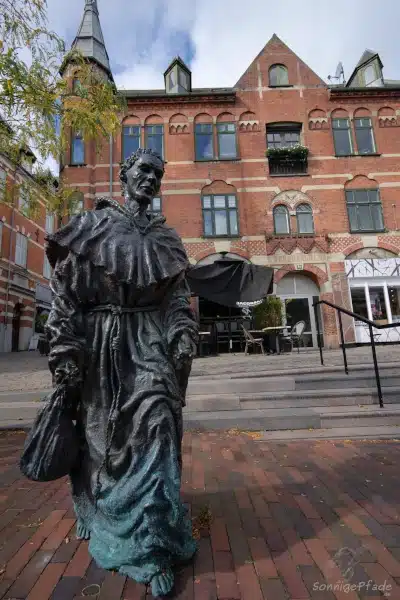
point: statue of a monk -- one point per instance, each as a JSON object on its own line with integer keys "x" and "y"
{"x": 122, "y": 337}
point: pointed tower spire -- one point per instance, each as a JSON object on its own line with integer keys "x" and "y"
{"x": 89, "y": 39}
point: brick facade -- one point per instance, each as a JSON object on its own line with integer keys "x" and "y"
{"x": 24, "y": 288}
{"x": 252, "y": 104}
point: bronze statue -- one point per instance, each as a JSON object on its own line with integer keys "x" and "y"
{"x": 122, "y": 338}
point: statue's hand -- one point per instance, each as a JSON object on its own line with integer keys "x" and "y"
{"x": 184, "y": 350}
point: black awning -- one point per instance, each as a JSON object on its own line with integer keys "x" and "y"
{"x": 228, "y": 281}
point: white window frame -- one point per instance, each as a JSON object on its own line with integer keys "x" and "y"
{"x": 23, "y": 201}
{"x": 21, "y": 250}
{"x": 49, "y": 219}
{"x": 47, "y": 270}
{"x": 3, "y": 182}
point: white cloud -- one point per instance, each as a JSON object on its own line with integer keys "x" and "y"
{"x": 228, "y": 34}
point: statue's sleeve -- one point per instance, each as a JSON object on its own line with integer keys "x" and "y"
{"x": 179, "y": 316}
{"x": 65, "y": 329}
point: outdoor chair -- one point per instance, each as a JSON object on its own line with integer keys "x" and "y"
{"x": 296, "y": 335}
{"x": 251, "y": 341}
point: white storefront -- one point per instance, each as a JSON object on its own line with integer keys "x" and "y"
{"x": 375, "y": 294}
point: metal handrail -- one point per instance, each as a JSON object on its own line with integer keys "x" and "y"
{"x": 370, "y": 324}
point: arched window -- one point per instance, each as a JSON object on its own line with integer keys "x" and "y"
{"x": 278, "y": 76}
{"x": 281, "y": 219}
{"x": 305, "y": 223}
{"x": 76, "y": 203}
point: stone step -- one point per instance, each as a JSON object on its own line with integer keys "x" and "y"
{"x": 381, "y": 432}
{"x": 287, "y": 399}
{"x": 352, "y": 380}
{"x": 293, "y": 419}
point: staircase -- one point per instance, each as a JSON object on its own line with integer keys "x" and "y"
{"x": 297, "y": 399}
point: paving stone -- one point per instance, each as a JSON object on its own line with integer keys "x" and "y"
{"x": 293, "y": 514}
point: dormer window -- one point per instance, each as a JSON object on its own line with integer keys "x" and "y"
{"x": 177, "y": 78}
{"x": 369, "y": 74}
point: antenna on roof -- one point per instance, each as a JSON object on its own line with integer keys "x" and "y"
{"x": 339, "y": 74}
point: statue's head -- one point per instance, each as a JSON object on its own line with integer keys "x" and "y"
{"x": 141, "y": 176}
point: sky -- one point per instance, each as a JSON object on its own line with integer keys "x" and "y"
{"x": 219, "y": 38}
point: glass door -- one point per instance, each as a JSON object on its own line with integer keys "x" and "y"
{"x": 301, "y": 309}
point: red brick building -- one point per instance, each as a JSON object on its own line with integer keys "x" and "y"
{"x": 321, "y": 208}
{"x": 24, "y": 269}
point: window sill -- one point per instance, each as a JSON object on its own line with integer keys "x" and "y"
{"x": 217, "y": 160}
{"x": 221, "y": 237}
{"x": 289, "y": 174}
{"x": 77, "y": 165}
{"x": 357, "y": 155}
{"x": 274, "y": 87}
{"x": 367, "y": 231}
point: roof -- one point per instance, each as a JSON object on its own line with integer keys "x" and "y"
{"x": 89, "y": 39}
{"x": 180, "y": 62}
{"x": 194, "y": 93}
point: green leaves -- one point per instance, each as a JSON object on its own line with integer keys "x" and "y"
{"x": 38, "y": 107}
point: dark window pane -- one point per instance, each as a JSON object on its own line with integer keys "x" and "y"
{"x": 342, "y": 136}
{"x": 377, "y": 217}
{"x": 364, "y": 136}
{"x": 281, "y": 220}
{"x": 364, "y": 217}
{"x": 220, "y": 215}
{"x": 378, "y": 306}
{"x": 227, "y": 140}
{"x": 183, "y": 79}
{"x": 221, "y": 224}
{"x": 219, "y": 201}
{"x": 233, "y": 224}
{"x": 208, "y": 228}
{"x": 353, "y": 218}
{"x": 154, "y": 138}
{"x": 359, "y": 302}
{"x": 283, "y": 139}
{"x": 131, "y": 140}
{"x": 278, "y": 75}
{"x": 394, "y": 299}
{"x": 206, "y": 202}
{"x": 305, "y": 223}
{"x": 204, "y": 141}
{"x": 78, "y": 150}
{"x": 365, "y": 210}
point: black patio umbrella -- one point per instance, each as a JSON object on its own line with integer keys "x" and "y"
{"x": 228, "y": 281}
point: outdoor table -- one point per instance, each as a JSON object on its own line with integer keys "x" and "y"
{"x": 275, "y": 330}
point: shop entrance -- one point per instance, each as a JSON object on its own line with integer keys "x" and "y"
{"x": 298, "y": 294}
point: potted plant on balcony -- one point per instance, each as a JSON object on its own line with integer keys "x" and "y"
{"x": 294, "y": 153}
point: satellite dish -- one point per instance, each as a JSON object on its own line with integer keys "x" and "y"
{"x": 339, "y": 71}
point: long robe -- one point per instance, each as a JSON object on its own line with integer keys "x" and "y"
{"x": 120, "y": 304}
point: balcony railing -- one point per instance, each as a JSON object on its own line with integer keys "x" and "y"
{"x": 283, "y": 165}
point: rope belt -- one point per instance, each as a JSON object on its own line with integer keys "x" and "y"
{"x": 117, "y": 311}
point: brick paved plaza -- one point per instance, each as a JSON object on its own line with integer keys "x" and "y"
{"x": 276, "y": 521}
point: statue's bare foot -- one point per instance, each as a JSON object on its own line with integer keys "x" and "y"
{"x": 162, "y": 583}
{"x": 82, "y": 532}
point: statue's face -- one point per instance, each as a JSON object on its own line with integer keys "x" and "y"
{"x": 144, "y": 179}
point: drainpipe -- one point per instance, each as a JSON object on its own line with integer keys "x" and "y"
{"x": 111, "y": 166}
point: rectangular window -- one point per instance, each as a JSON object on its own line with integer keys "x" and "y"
{"x": 359, "y": 302}
{"x": 130, "y": 140}
{"x": 220, "y": 216}
{"x": 49, "y": 222}
{"x": 364, "y": 136}
{"x": 365, "y": 210}
{"x": 77, "y": 149}
{"x": 3, "y": 179}
{"x": 394, "y": 299}
{"x": 283, "y": 138}
{"x": 227, "y": 146}
{"x": 342, "y": 137}
{"x": 378, "y": 305}
{"x": 21, "y": 250}
{"x": 23, "y": 202}
{"x": 155, "y": 207}
{"x": 204, "y": 143}
{"x": 46, "y": 268}
{"x": 155, "y": 138}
